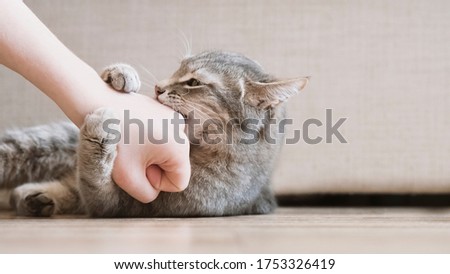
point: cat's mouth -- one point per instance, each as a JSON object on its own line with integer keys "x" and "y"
{"x": 172, "y": 106}
{"x": 182, "y": 114}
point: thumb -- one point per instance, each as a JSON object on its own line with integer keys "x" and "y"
{"x": 173, "y": 177}
{"x": 154, "y": 176}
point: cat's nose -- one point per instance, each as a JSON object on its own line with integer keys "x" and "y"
{"x": 159, "y": 91}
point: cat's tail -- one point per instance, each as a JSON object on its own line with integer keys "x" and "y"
{"x": 37, "y": 154}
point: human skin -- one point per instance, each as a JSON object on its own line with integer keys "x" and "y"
{"x": 28, "y": 47}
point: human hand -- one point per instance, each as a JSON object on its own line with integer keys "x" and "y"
{"x": 144, "y": 168}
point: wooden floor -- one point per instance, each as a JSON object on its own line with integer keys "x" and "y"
{"x": 288, "y": 230}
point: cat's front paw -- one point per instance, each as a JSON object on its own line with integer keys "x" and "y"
{"x": 28, "y": 202}
{"x": 99, "y": 137}
{"x": 122, "y": 77}
{"x": 101, "y": 127}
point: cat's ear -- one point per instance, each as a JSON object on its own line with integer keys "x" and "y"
{"x": 269, "y": 95}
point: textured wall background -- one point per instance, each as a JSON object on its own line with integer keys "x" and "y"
{"x": 385, "y": 65}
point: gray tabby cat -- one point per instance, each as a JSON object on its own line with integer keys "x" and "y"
{"x": 58, "y": 169}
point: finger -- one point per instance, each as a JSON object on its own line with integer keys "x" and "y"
{"x": 175, "y": 176}
{"x": 134, "y": 182}
{"x": 154, "y": 176}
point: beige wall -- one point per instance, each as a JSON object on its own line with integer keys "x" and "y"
{"x": 385, "y": 65}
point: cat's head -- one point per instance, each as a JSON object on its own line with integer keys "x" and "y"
{"x": 222, "y": 85}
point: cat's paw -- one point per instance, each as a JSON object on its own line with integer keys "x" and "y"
{"x": 122, "y": 77}
{"x": 103, "y": 128}
{"x": 31, "y": 202}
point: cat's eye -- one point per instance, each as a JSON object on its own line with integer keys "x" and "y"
{"x": 193, "y": 82}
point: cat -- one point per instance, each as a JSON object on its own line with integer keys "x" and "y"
{"x": 58, "y": 169}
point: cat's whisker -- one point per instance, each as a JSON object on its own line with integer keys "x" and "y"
{"x": 134, "y": 61}
{"x": 201, "y": 113}
{"x": 190, "y": 44}
{"x": 149, "y": 88}
{"x": 150, "y": 74}
{"x": 147, "y": 84}
{"x": 148, "y": 80}
{"x": 184, "y": 40}
{"x": 187, "y": 111}
{"x": 177, "y": 58}
{"x": 184, "y": 47}
{"x": 150, "y": 83}
{"x": 196, "y": 104}
{"x": 179, "y": 109}
{"x": 193, "y": 104}
{"x": 153, "y": 79}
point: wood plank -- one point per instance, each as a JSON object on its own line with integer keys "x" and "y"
{"x": 288, "y": 230}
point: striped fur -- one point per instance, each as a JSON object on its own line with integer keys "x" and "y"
{"x": 56, "y": 169}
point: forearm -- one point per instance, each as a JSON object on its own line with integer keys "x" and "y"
{"x": 30, "y": 49}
